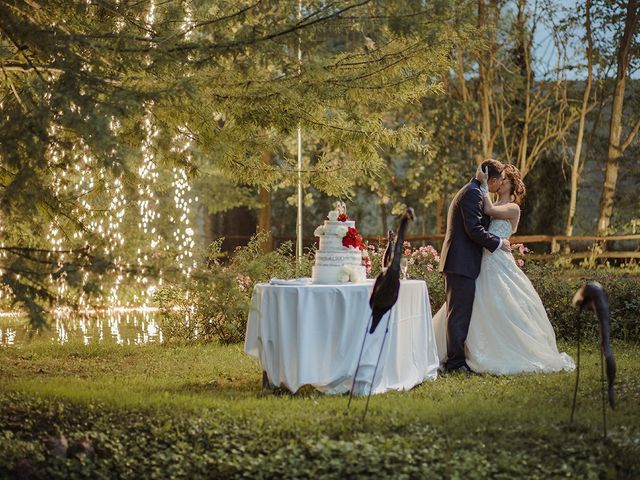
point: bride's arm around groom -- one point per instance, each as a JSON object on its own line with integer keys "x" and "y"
{"x": 467, "y": 234}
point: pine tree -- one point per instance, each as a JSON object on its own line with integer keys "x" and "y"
{"x": 82, "y": 82}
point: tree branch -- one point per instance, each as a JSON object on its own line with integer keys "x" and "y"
{"x": 630, "y": 137}
{"x": 24, "y": 55}
{"x": 27, "y": 67}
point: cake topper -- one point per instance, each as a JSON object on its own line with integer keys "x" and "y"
{"x": 339, "y": 211}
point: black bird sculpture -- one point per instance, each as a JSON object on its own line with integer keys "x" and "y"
{"x": 386, "y": 257}
{"x": 384, "y": 294}
{"x": 592, "y": 295}
{"x": 387, "y": 286}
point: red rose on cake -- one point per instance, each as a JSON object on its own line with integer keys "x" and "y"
{"x": 353, "y": 239}
{"x": 342, "y": 217}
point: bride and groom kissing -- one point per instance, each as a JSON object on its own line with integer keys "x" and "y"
{"x": 493, "y": 320}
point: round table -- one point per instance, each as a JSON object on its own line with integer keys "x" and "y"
{"x": 307, "y": 334}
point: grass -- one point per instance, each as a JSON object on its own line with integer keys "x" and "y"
{"x": 199, "y": 412}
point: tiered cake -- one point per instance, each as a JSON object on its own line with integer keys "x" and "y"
{"x": 335, "y": 262}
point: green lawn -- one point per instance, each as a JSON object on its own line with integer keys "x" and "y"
{"x": 199, "y": 411}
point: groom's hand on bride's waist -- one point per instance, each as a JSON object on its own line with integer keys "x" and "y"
{"x": 505, "y": 245}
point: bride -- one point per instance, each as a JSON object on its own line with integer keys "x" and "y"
{"x": 509, "y": 330}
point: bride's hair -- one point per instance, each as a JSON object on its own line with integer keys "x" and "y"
{"x": 518, "y": 190}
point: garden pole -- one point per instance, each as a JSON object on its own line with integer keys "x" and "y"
{"x": 575, "y": 390}
{"x": 355, "y": 375}
{"x": 299, "y": 217}
{"x": 604, "y": 408}
{"x": 375, "y": 370}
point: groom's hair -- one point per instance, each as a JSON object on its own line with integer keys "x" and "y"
{"x": 494, "y": 167}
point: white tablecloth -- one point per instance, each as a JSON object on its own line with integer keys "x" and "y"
{"x": 312, "y": 334}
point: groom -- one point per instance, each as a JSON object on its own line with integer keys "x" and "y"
{"x": 460, "y": 259}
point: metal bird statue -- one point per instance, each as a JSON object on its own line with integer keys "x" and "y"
{"x": 386, "y": 257}
{"x": 592, "y": 295}
{"x": 385, "y": 290}
{"x": 384, "y": 295}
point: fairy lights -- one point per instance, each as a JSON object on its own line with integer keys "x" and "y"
{"x": 129, "y": 224}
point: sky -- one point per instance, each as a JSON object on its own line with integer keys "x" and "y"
{"x": 545, "y": 50}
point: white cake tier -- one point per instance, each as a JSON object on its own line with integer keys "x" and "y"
{"x": 324, "y": 274}
{"x": 347, "y": 256}
{"x": 331, "y": 243}
{"x": 330, "y": 227}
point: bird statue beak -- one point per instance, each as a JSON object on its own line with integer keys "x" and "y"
{"x": 411, "y": 214}
{"x": 578, "y": 298}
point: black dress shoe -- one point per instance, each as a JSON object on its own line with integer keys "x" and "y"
{"x": 462, "y": 369}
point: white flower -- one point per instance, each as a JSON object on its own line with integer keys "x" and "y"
{"x": 319, "y": 231}
{"x": 333, "y": 215}
{"x": 341, "y": 231}
{"x": 345, "y": 274}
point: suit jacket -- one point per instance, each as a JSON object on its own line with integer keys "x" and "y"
{"x": 466, "y": 233}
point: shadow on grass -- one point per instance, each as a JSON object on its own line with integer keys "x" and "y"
{"x": 235, "y": 387}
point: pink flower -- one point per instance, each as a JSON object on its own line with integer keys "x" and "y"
{"x": 520, "y": 262}
{"x": 240, "y": 279}
{"x": 430, "y": 267}
{"x": 406, "y": 244}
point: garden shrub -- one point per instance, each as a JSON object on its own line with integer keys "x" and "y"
{"x": 557, "y": 286}
{"x": 214, "y": 303}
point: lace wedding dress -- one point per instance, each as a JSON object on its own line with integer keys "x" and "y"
{"x": 509, "y": 331}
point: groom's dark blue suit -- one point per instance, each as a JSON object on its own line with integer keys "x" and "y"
{"x": 460, "y": 261}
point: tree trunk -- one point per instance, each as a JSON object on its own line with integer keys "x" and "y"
{"x": 485, "y": 64}
{"x": 473, "y": 134}
{"x": 615, "y": 150}
{"x": 264, "y": 213}
{"x": 208, "y": 226}
{"x": 383, "y": 217}
{"x": 441, "y": 203}
{"x": 575, "y": 168}
{"x": 525, "y": 68}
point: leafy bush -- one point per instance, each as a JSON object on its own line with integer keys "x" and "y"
{"x": 214, "y": 303}
{"x": 557, "y": 286}
{"x": 176, "y": 443}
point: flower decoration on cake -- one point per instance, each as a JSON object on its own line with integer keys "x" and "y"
{"x": 350, "y": 274}
{"x": 341, "y": 232}
{"x": 366, "y": 260}
{"x": 345, "y": 274}
{"x": 353, "y": 239}
{"x": 339, "y": 212}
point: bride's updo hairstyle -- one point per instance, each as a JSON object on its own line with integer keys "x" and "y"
{"x": 518, "y": 190}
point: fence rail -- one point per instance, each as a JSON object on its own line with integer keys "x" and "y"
{"x": 571, "y": 247}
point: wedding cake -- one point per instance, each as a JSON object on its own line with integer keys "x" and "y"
{"x": 340, "y": 254}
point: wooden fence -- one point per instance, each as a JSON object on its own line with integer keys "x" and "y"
{"x": 571, "y": 247}
{"x": 624, "y": 247}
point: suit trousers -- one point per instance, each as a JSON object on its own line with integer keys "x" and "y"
{"x": 460, "y": 291}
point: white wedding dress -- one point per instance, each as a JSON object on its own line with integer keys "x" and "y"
{"x": 509, "y": 330}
